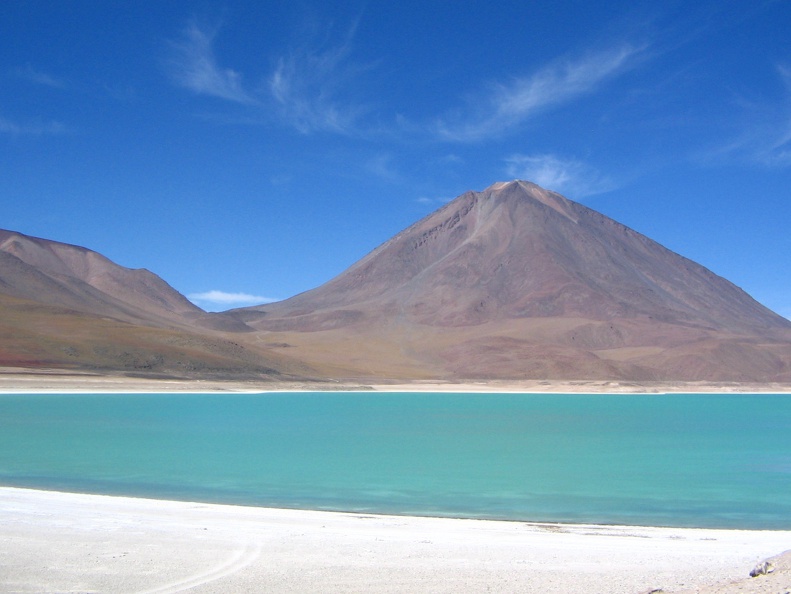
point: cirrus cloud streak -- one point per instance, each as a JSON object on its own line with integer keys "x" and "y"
{"x": 194, "y": 66}
{"x": 566, "y": 176}
{"x": 303, "y": 90}
{"x": 507, "y": 105}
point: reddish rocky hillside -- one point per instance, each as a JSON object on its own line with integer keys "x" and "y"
{"x": 81, "y": 279}
{"x": 64, "y": 306}
{"x": 520, "y": 282}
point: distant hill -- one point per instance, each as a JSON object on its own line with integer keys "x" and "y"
{"x": 71, "y": 276}
{"x": 520, "y": 282}
{"x": 65, "y": 306}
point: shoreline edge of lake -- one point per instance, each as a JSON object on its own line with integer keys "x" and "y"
{"x": 18, "y": 380}
{"x": 58, "y": 541}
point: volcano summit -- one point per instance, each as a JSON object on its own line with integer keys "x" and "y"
{"x": 520, "y": 282}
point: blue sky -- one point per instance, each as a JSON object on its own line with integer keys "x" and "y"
{"x": 257, "y": 149}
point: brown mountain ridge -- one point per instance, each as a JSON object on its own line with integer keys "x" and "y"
{"x": 520, "y": 282}
{"x": 68, "y": 307}
{"x": 514, "y": 282}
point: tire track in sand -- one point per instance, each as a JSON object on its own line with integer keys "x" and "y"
{"x": 240, "y": 559}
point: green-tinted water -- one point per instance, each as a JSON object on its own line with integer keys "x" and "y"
{"x": 683, "y": 460}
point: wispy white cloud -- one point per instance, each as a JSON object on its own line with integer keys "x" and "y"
{"x": 765, "y": 136}
{"x": 382, "y": 166}
{"x": 222, "y": 298}
{"x": 194, "y": 66}
{"x": 777, "y": 150}
{"x": 509, "y": 104}
{"x": 32, "y": 128}
{"x": 36, "y": 126}
{"x": 40, "y": 78}
{"x": 306, "y": 85}
{"x": 566, "y": 176}
{"x": 451, "y": 159}
{"x": 302, "y": 90}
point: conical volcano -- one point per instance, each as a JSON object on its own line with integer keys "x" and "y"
{"x": 520, "y": 282}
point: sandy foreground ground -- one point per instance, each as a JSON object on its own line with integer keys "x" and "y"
{"x": 64, "y": 542}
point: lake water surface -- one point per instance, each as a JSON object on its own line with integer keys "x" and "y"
{"x": 669, "y": 460}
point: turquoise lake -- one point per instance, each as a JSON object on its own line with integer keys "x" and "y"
{"x": 663, "y": 460}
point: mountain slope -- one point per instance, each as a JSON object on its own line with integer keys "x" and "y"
{"x": 517, "y": 281}
{"x": 65, "y": 306}
{"x": 72, "y": 276}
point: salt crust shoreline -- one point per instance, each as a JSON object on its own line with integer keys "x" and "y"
{"x": 17, "y": 380}
{"x": 67, "y": 542}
